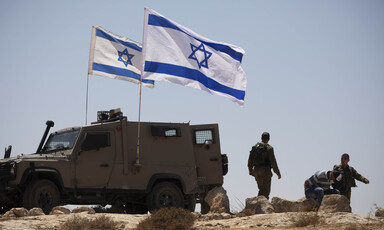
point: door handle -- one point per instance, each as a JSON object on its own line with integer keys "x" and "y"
{"x": 104, "y": 165}
{"x": 214, "y": 159}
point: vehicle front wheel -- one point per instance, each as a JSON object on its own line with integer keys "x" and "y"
{"x": 165, "y": 194}
{"x": 43, "y": 194}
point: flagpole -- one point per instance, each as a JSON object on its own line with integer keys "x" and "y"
{"x": 86, "y": 102}
{"x": 137, "y": 164}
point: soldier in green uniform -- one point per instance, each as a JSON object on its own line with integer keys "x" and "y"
{"x": 349, "y": 176}
{"x": 261, "y": 160}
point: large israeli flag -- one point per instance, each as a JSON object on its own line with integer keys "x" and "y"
{"x": 176, "y": 54}
{"x": 115, "y": 57}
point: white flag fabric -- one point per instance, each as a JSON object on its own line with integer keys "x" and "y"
{"x": 174, "y": 53}
{"x": 115, "y": 57}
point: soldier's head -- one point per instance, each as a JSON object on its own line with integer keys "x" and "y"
{"x": 344, "y": 159}
{"x": 265, "y": 137}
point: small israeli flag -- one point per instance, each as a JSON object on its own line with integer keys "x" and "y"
{"x": 174, "y": 53}
{"x": 115, "y": 57}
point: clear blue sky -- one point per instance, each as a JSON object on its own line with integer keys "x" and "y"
{"x": 315, "y": 74}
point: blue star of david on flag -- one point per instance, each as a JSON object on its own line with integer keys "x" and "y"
{"x": 207, "y": 55}
{"x": 129, "y": 57}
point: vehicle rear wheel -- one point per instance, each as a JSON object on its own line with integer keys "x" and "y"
{"x": 43, "y": 194}
{"x": 165, "y": 194}
{"x": 204, "y": 207}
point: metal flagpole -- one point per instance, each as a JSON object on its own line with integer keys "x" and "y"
{"x": 86, "y": 102}
{"x": 137, "y": 164}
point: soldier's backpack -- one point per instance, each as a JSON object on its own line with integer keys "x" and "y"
{"x": 261, "y": 155}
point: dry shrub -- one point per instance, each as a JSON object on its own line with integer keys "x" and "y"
{"x": 168, "y": 219}
{"x": 246, "y": 212}
{"x": 304, "y": 220}
{"x": 79, "y": 223}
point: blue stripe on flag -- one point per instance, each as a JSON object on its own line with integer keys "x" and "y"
{"x": 131, "y": 45}
{"x": 192, "y": 74}
{"x": 156, "y": 20}
{"x": 119, "y": 71}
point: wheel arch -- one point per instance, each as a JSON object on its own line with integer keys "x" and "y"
{"x": 33, "y": 173}
{"x": 169, "y": 177}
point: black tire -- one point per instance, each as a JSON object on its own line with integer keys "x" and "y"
{"x": 190, "y": 203}
{"x": 165, "y": 194}
{"x": 204, "y": 207}
{"x": 43, "y": 194}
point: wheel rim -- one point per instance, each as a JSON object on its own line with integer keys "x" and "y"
{"x": 44, "y": 199}
{"x": 166, "y": 200}
{"x": 165, "y": 194}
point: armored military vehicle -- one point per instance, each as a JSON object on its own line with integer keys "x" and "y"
{"x": 176, "y": 165}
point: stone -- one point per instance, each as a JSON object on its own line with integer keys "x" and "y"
{"x": 301, "y": 205}
{"x": 9, "y": 214}
{"x": 217, "y": 200}
{"x": 56, "y": 212}
{"x": 226, "y": 216}
{"x": 335, "y": 203}
{"x": 84, "y": 209}
{"x": 20, "y": 212}
{"x": 379, "y": 212}
{"x": 36, "y": 212}
{"x": 61, "y": 209}
{"x": 259, "y": 204}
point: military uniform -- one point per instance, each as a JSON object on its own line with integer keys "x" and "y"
{"x": 260, "y": 167}
{"x": 348, "y": 179}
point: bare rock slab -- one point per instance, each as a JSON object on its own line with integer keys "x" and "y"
{"x": 260, "y": 205}
{"x": 335, "y": 203}
{"x": 217, "y": 199}
{"x": 59, "y": 210}
{"x": 302, "y": 205}
{"x": 36, "y": 212}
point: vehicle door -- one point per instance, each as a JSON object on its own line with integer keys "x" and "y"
{"x": 95, "y": 159}
{"x": 206, "y": 144}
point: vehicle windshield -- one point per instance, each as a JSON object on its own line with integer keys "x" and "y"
{"x": 59, "y": 141}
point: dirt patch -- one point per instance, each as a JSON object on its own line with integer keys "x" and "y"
{"x": 326, "y": 221}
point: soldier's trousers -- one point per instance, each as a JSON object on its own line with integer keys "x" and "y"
{"x": 263, "y": 176}
{"x": 346, "y": 192}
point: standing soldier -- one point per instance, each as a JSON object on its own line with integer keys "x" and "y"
{"x": 349, "y": 176}
{"x": 261, "y": 160}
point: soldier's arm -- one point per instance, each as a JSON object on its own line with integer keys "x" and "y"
{"x": 272, "y": 159}
{"x": 358, "y": 176}
{"x": 250, "y": 162}
{"x": 335, "y": 167}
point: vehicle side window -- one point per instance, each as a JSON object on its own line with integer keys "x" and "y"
{"x": 165, "y": 131}
{"x": 94, "y": 141}
{"x": 204, "y": 136}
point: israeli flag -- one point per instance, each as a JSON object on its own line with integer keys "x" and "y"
{"x": 176, "y": 54}
{"x": 115, "y": 57}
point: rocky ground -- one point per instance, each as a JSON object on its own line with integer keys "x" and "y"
{"x": 259, "y": 213}
{"x": 289, "y": 220}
